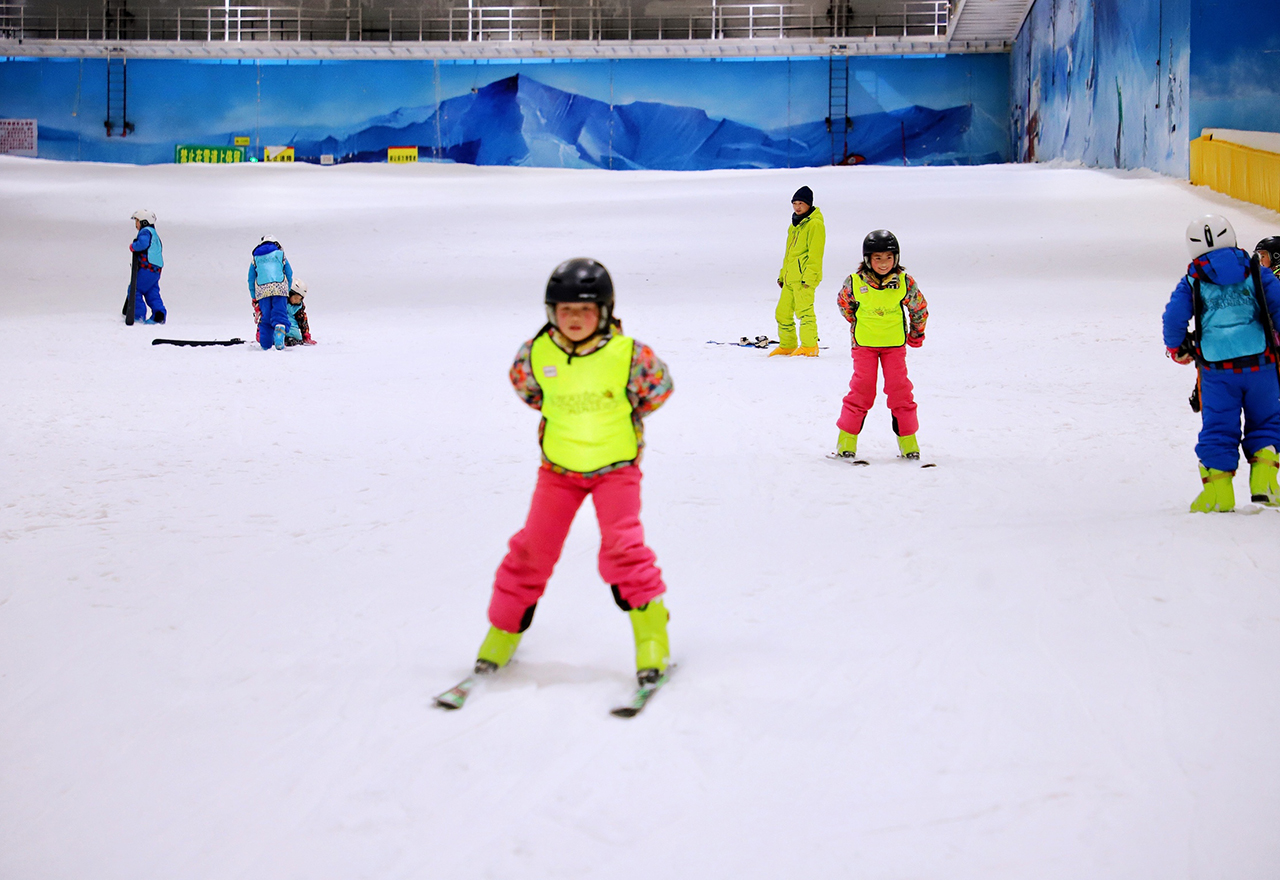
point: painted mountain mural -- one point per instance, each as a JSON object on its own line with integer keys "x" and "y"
{"x": 520, "y": 121}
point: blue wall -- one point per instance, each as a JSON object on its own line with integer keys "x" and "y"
{"x": 1104, "y": 82}
{"x": 671, "y": 114}
{"x": 1235, "y": 65}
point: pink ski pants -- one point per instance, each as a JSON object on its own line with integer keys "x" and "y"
{"x": 626, "y": 563}
{"x": 862, "y": 390}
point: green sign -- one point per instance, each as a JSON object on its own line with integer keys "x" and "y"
{"x": 217, "y": 155}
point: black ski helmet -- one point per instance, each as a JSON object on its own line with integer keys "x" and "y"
{"x": 1270, "y": 246}
{"x": 581, "y": 280}
{"x": 880, "y": 241}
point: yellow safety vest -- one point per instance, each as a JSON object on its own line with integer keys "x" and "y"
{"x": 585, "y": 405}
{"x": 881, "y": 319}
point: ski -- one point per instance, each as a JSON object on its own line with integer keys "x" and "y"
{"x": 758, "y": 342}
{"x": 643, "y": 694}
{"x": 745, "y": 342}
{"x": 847, "y": 459}
{"x": 456, "y": 696}
{"x": 236, "y": 341}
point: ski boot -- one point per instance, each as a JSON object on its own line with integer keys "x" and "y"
{"x": 649, "y": 623}
{"x": 847, "y": 445}
{"x": 809, "y": 351}
{"x": 496, "y": 650}
{"x": 1263, "y": 465}
{"x": 278, "y": 337}
{"x": 908, "y": 447}
{"x": 1218, "y": 493}
{"x": 783, "y": 351}
{"x": 157, "y": 318}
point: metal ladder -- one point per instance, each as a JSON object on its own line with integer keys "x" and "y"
{"x": 838, "y": 122}
{"x": 117, "y": 121}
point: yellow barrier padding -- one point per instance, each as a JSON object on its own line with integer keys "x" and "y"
{"x": 402, "y": 154}
{"x": 1241, "y": 172}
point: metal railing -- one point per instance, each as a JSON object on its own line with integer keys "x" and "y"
{"x": 472, "y": 22}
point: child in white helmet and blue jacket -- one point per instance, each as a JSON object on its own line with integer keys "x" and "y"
{"x": 270, "y": 277}
{"x": 1232, "y": 306}
{"x": 150, "y": 255}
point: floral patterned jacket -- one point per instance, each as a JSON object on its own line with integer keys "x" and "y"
{"x": 648, "y": 388}
{"x": 913, "y": 299}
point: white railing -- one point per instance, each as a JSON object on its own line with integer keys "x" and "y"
{"x": 474, "y": 21}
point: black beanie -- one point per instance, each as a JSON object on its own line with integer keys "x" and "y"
{"x": 803, "y": 194}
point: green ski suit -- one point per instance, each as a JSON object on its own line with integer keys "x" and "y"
{"x": 799, "y": 277}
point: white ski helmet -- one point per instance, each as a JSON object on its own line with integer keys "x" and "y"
{"x": 144, "y": 216}
{"x": 269, "y": 238}
{"x": 299, "y": 287}
{"x": 1208, "y": 233}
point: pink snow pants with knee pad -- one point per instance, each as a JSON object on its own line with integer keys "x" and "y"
{"x": 862, "y": 390}
{"x": 625, "y": 562}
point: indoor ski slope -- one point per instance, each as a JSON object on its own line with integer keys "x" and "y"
{"x": 231, "y": 581}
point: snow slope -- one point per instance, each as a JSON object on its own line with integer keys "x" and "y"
{"x": 230, "y": 581}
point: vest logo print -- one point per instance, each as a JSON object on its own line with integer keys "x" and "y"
{"x": 549, "y": 372}
{"x": 1228, "y": 297}
{"x": 585, "y": 402}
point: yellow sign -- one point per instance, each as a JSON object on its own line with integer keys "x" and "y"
{"x": 277, "y": 154}
{"x": 399, "y": 155}
{"x": 242, "y": 140}
{"x": 193, "y": 153}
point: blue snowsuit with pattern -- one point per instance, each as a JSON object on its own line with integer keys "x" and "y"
{"x": 150, "y": 262}
{"x": 270, "y": 277}
{"x": 1236, "y": 360}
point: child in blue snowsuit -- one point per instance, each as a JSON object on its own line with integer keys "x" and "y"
{"x": 299, "y": 332}
{"x": 150, "y": 261}
{"x": 1235, "y": 306}
{"x": 270, "y": 277}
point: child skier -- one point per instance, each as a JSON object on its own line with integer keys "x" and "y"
{"x": 799, "y": 277}
{"x": 1268, "y": 251}
{"x": 886, "y": 313}
{"x": 1234, "y": 306}
{"x": 270, "y": 277}
{"x": 299, "y": 332}
{"x": 593, "y": 386}
{"x": 150, "y": 261}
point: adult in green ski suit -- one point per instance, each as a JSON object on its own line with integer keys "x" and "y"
{"x": 799, "y": 277}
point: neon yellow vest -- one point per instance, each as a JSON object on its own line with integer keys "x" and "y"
{"x": 881, "y": 322}
{"x": 585, "y": 405}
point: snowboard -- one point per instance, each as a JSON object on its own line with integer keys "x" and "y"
{"x": 131, "y": 299}
{"x": 236, "y": 341}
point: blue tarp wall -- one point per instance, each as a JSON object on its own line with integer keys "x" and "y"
{"x": 1129, "y": 83}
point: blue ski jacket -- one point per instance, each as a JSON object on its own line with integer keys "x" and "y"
{"x": 269, "y": 273}
{"x": 148, "y": 245}
{"x": 1231, "y": 322}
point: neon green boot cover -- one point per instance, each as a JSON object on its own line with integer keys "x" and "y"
{"x": 1218, "y": 493}
{"x": 908, "y": 446}
{"x": 1263, "y": 466}
{"x": 847, "y": 445}
{"x": 498, "y": 646}
{"x": 649, "y": 623}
